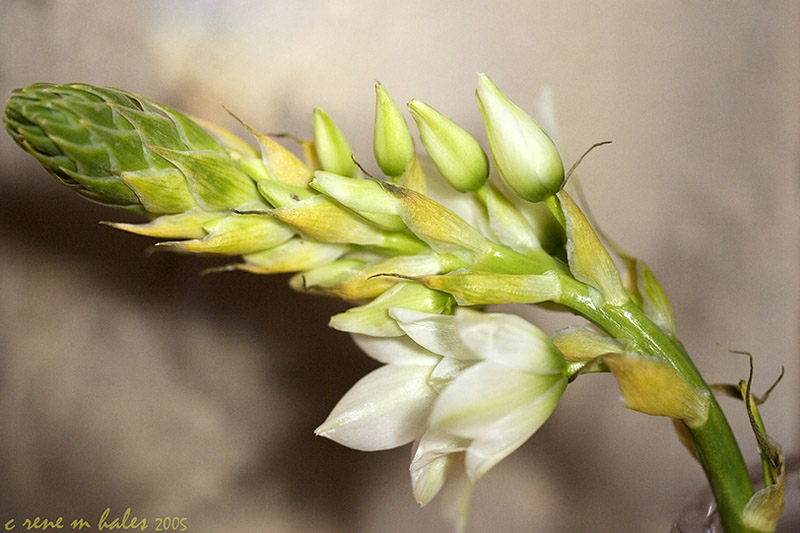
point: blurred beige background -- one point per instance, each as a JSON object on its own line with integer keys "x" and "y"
{"x": 130, "y": 380}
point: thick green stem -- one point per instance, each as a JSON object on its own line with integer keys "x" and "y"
{"x": 717, "y": 449}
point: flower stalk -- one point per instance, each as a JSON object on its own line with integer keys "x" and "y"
{"x": 466, "y": 387}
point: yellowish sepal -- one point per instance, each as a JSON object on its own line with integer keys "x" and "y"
{"x": 764, "y": 509}
{"x": 294, "y": 255}
{"x": 655, "y": 303}
{"x": 234, "y": 235}
{"x": 160, "y": 191}
{"x": 310, "y": 154}
{"x": 321, "y": 219}
{"x": 589, "y": 260}
{"x": 188, "y": 225}
{"x": 280, "y": 163}
{"x": 653, "y": 387}
{"x": 443, "y": 230}
{"x": 414, "y": 176}
{"x": 581, "y": 343}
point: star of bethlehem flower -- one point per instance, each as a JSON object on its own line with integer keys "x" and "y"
{"x": 468, "y": 389}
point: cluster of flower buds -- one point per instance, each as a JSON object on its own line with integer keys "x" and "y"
{"x": 467, "y": 387}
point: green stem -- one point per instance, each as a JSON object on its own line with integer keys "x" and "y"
{"x": 717, "y": 450}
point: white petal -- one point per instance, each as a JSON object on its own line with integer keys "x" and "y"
{"x": 395, "y": 350}
{"x": 509, "y": 340}
{"x": 498, "y": 408}
{"x": 386, "y": 408}
{"x": 436, "y": 333}
{"x": 509, "y": 433}
{"x": 436, "y": 454}
{"x": 436, "y": 443}
{"x": 426, "y": 482}
{"x": 446, "y": 371}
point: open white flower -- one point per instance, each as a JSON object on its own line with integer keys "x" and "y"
{"x": 468, "y": 388}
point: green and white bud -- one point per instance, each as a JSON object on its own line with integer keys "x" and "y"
{"x": 525, "y": 157}
{"x": 366, "y": 197}
{"x": 392, "y": 141}
{"x": 456, "y": 154}
{"x": 333, "y": 151}
{"x": 374, "y": 319}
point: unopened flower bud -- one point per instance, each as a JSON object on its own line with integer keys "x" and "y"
{"x": 456, "y": 154}
{"x": 392, "y": 141}
{"x": 471, "y": 287}
{"x": 296, "y": 254}
{"x": 374, "y": 319}
{"x": 235, "y": 234}
{"x": 525, "y": 157}
{"x": 333, "y": 151}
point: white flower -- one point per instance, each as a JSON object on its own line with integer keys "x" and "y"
{"x": 468, "y": 388}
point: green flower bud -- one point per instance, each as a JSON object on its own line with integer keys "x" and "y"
{"x": 294, "y": 255}
{"x": 333, "y": 151}
{"x": 124, "y": 150}
{"x": 392, "y": 141}
{"x": 366, "y": 197}
{"x": 471, "y": 287}
{"x": 525, "y": 157}
{"x": 456, "y": 154}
